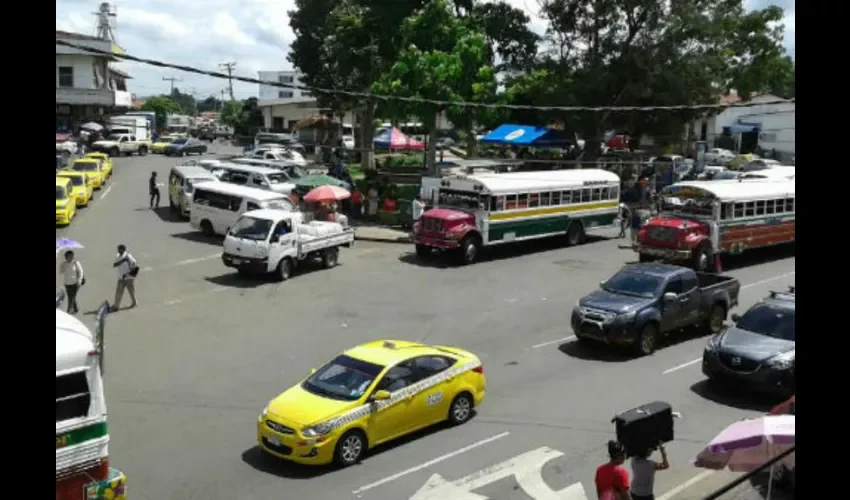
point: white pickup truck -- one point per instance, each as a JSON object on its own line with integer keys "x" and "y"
{"x": 122, "y": 144}
{"x": 277, "y": 241}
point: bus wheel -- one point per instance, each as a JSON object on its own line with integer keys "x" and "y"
{"x": 575, "y": 234}
{"x": 469, "y": 248}
{"x": 703, "y": 261}
{"x": 423, "y": 251}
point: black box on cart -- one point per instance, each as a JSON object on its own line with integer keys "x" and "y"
{"x": 644, "y": 427}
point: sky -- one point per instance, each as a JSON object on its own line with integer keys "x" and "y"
{"x": 253, "y": 33}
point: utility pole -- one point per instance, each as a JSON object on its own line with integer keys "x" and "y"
{"x": 228, "y": 66}
{"x": 172, "y": 80}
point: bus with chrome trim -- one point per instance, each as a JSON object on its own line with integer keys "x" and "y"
{"x": 481, "y": 210}
{"x": 82, "y": 438}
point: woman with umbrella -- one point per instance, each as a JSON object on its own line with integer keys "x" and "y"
{"x": 71, "y": 271}
{"x": 326, "y": 198}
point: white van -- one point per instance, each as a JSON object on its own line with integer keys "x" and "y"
{"x": 181, "y": 184}
{"x": 216, "y": 206}
{"x": 257, "y": 177}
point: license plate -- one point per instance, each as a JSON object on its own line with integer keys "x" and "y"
{"x": 273, "y": 440}
{"x": 237, "y": 261}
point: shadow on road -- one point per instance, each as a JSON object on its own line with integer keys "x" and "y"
{"x": 757, "y": 257}
{"x": 596, "y": 351}
{"x": 435, "y": 260}
{"x": 735, "y": 397}
{"x": 236, "y": 280}
{"x": 197, "y": 237}
{"x": 165, "y": 214}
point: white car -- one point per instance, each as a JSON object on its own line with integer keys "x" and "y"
{"x": 761, "y": 164}
{"x": 719, "y": 156}
{"x": 278, "y": 154}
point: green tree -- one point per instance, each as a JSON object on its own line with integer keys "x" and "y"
{"x": 209, "y": 104}
{"x": 187, "y": 103}
{"x": 162, "y": 106}
{"x": 233, "y": 114}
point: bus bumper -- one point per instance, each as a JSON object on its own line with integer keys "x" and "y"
{"x": 443, "y": 244}
{"x": 114, "y": 487}
{"x": 663, "y": 253}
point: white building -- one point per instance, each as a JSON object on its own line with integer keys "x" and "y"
{"x": 269, "y": 92}
{"x": 87, "y": 88}
{"x": 775, "y": 124}
{"x": 283, "y": 108}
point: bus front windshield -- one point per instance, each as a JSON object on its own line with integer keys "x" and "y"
{"x": 459, "y": 200}
{"x": 672, "y": 204}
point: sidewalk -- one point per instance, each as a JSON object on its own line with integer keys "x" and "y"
{"x": 381, "y": 234}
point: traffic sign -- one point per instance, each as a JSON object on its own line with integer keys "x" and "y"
{"x": 527, "y": 469}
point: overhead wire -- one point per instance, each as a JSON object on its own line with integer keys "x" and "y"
{"x": 419, "y": 100}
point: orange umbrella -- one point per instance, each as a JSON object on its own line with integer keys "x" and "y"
{"x": 326, "y": 193}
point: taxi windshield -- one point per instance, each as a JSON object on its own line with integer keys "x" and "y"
{"x": 344, "y": 379}
{"x": 76, "y": 180}
{"x": 85, "y": 166}
{"x": 60, "y": 193}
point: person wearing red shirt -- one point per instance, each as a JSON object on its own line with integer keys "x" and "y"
{"x": 612, "y": 479}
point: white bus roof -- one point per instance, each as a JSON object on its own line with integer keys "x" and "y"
{"x": 546, "y": 180}
{"x": 237, "y": 190}
{"x": 777, "y": 172}
{"x": 74, "y": 342}
{"x": 735, "y": 190}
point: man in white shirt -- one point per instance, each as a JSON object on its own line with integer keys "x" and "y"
{"x": 418, "y": 207}
{"x": 72, "y": 273}
{"x": 127, "y": 271}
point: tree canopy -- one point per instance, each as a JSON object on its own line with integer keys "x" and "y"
{"x": 162, "y": 106}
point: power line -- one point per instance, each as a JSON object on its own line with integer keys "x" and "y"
{"x": 417, "y": 100}
{"x": 172, "y": 80}
{"x": 229, "y": 67}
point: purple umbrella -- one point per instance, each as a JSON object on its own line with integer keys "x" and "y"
{"x": 67, "y": 244}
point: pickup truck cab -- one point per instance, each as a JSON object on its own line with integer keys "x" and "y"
{"x": 275, "y": 241}
{"x": 122, "y": 144}
{"x": 643, "y": 302}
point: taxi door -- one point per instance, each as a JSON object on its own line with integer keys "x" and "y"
{"x": 432, "y": 404}
{"x": 392, "y": 418}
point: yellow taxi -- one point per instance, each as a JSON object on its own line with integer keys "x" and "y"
{"x": 161, "y": 143}
{"x": 66, "y": 206}
{"x": 741, "y": 160}
{"x": 81, "y": 187}
{"x": 93, "y": 168}
{"x": 106, "y": 163}
{"x": 369, "y": 395}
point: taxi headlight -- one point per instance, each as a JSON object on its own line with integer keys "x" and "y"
{"x": 317, "y": 430}
{"x": 265, "y": 412}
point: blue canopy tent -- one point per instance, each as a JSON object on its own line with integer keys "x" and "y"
{"x": 529, "y": 136}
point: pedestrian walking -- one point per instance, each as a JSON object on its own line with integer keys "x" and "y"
{"x": 356, "y": 203}
{"x": 625, "y": 219}
{"x": 153, "y": 187}
{"x": 612, "y": 479}
{"x": 643, "y": 473}
{"x": 128, "y": 269}
{"x": 636, "y": 223}
{"x": 73, "y": 278}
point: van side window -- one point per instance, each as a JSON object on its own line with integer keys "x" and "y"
{"x": 201, "y": 197}
{"x": 252, "y": 206}
{"x": 72, "y": 396}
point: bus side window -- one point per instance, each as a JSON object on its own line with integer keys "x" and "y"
{"x": 760, "y": 208}
{"x": 750, "y": 209}
{"x": 770, "y": 206}
{"x": 780, "y": 206}
{"x": 726, "y": 211}
{"x": 566, "y": 197}
{"x": 739, "y": 210}
{"x": 533, "y": 200}
{"x": 522, "y": 201}
{"x": 605, "y": 194}
{"x": 544, "y": 199}
{"x": 790, "y": 204}
{"x": 585, "y": 195}
{"x": 556, "y": 198}
{"x": 510, "y": 202}
{"x": 595, "y": 194}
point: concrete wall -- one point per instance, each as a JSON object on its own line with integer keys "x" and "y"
{"x": 83, "y": 69}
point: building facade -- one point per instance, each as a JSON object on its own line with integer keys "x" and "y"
{"x": 87, "y": 88}
{"x": 270, "y": 93}
{"x": 771, "y": 127}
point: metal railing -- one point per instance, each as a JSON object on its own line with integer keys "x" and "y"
{"x": 763, "y": 467}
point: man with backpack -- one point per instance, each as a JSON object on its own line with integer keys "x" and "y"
{"x": 128, "y": 269}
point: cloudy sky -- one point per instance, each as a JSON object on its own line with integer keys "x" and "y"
{"x": 253, "y": 33}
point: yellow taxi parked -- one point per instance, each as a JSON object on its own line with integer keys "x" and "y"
{"x": 93, "y": 170}
{"x": 66, "y": 206}
{"x": 106, "y": 162}
{"x": 161, "y": 143}
{"x": 369, "y": 395}
{"x": 81, "y": 187}
{"x": 741, "y": 160}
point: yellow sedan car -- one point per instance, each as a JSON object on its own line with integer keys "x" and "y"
{"x": 81, "y": 187}
{"x": 93, "y": 170}
{"x": 161, "y": 143}
{"x": 106, "y": 162}
{"x": 369, "y": 395}
{"x": 66, "y": 206}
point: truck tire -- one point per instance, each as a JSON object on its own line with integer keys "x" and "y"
{"x": 648, "y": 339}
{"x": 643, "y": 257}
{"x": 284, "y": 269}
{"x": 470, "y": 246}
{"x": 143, "y": 151}
{"x": 330, "y": 257}
{"x": 207, "y": 228}
{"x": 423, "y": 251}
{"x": 575, "y": 233}
{"x": 114, "y": 152}
{"x": 716, "y": 318}
{"x": 702, "y": 259}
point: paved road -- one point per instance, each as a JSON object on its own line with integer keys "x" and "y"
{"x": 190, "y": 368}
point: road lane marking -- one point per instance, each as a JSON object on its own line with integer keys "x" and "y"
{"x": 670, "y": 495}
{"x": 768, "y": 280}
{"x": 544, "y": 344}
{"x": 683, "y": 365}
{"x": 441, "y": 458}
{"x": 108, "y": 189}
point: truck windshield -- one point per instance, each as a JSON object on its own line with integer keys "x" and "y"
{"x": 687, "y": 206}
{"x": 60, "y": 193}
{"x": 633, "y": 284}
{"x": 251, "y": 228}
{"x": 458, "y": 199}
{"x": 777, "y": 322}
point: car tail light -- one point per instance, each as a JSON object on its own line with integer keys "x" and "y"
{"x": 479, "y": 369}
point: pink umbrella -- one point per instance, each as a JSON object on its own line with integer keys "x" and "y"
{"x": 326, "y": 193}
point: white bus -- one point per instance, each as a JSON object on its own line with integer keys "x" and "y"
{"x": 480, "y": 210}
{"x": 82, "y": 438}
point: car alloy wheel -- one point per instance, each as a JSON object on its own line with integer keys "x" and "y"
{"x": 351, "y": 448}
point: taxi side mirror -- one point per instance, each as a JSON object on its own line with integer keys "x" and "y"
{"x": 380, "y": 396}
